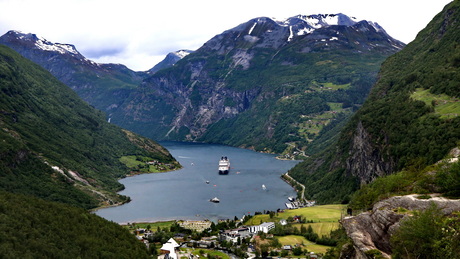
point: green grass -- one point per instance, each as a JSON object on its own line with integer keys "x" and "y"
{"x": 311, "y": 247}
{"x": 444, "y": 105}
{"x": 130, "y": 161}
{"x": 335, "y": 106}
{"x": 212, "y": 253}
{"x": 134, "y": 164}
{"x": 153, "y": 225}
{"x": 320, "y": 228}
{"x": 322, "y": 213}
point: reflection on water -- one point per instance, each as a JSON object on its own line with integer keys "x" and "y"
{"x": 186, "y": 193}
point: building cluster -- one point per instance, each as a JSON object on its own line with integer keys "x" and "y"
{"x": 232, "y": 235}
{"x": 197, "y": 225}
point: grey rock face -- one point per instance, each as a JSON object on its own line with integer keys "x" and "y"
{"x": 366, "y": 161}
{"x": 373, "y": 229}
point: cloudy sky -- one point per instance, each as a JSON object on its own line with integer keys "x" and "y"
{"x": 139, "y": 33}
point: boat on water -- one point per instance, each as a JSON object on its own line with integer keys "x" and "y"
{"x": 224, "y": 165}
{"x": 264, "y": 187}
{"x": 215, "y": 200}
{"x": 291, "y": 198}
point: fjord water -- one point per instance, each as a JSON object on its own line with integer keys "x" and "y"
{"x": 185, "y": 193}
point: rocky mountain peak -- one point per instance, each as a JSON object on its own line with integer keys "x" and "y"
{"x": 273, "y": 33}
{"x": 170, "y": 60}
{"x": 34, "y": 41}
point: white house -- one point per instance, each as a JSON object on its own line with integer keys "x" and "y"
{"x": 264, "y": 227}
{"x": 169, "y": 248}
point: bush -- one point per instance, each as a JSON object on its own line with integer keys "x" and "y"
{"x": 427, "y": 234}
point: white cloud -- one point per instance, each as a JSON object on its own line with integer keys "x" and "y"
{"x": 139, "y": 33}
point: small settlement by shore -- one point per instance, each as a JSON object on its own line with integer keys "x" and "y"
{"x": 187, "y": 238}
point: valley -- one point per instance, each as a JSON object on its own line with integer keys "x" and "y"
{"x": 364, "y": 126}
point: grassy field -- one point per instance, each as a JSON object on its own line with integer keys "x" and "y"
{"x": 320, "y": 228}
{"x": 153, "y": 225}
{"x": 311, "y": 247}
{"x": 212, "y": 253}
{"x": 134, "y": 164}
{"x": 444, "y": 105}
{"x": 322, "y": 213}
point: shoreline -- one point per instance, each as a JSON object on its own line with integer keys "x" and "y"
{"x": 129, "y": 198}
{"x": 179, "y": 166}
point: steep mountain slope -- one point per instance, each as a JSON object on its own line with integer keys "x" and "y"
{"x": 104, "y": 86}
{"x": 409, "y": 121}
{"x": 54, "y": 145}
{"x": 170, "y": 60}
{"x": 263, "y": 84}
{"x": 34, "y": 228}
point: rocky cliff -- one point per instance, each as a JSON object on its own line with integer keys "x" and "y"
{"x": 372, "y": 230}
{"x": 257, "y": 85}
{"x": 409, "y": 120}
{"x": 365, "y": 160}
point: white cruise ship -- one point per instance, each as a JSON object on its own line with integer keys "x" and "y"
{"x": 224, "y": 165}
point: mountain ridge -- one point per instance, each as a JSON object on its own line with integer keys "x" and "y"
{"x": 234, "y": 74}
{"x": 57, "y": 147}
{"x": 229, "y": 76}
{"x": 402, "y": 125}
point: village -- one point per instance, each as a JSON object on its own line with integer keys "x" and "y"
{"x": 280, "y": 234}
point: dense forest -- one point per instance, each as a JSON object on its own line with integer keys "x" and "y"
{"x": 34, "y": 228}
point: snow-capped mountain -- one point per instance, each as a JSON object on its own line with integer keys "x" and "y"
{"x": 271, "y": 32}
{"x": 239, "y": 87}
{"x": 170, "y": 60}
{"x": 28, "y": 42}
{"x": 102, "y": 85}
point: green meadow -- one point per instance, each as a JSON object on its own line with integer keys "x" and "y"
{"x": 443, "y": 104}
{"x": 300, "y": 240}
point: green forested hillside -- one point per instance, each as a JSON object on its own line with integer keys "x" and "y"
{"x": 44, "y": 124}
{"x": 254, "y": 86}
{"x": 34, "y": 228}
{"x": 410, "y": 119}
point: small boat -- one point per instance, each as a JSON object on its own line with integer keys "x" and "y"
{"x": 207, "y": 182}
{"x": 264, "y": 187}
{"x": 291, "y": 198}
{"x": 215, "y": 200}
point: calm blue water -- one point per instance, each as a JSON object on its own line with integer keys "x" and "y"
{"x": 184, "y": 194}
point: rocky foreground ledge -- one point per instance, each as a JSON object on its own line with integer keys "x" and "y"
{"x": 372, "y": 230}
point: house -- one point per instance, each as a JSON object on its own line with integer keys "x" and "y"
{"x": 233, "y": 234}
{"x": 264, "y": 227}
{"x": 287, "y": 247}
{"x": 170, "y": 248}
{"x": 297, "y": 218}
{"x": 283, "y": 222}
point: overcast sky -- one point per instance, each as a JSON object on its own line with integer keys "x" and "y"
{"x": 139, "y": 33}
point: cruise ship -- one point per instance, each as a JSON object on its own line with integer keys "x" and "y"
{"x": 224, "y": 165}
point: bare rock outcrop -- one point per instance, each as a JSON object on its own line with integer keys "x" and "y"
{"x": 364, "y": 158}
{"x": 373, "y": 229}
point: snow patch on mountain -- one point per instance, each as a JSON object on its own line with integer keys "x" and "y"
{"x": 252, "y": 28}
{"x": 43, "y": 44}
{"x": 182, "y": 53}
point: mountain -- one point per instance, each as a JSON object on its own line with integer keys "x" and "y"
{"x": 57, "y": 147}
{"x": 266, "y": 84}
{"x": 408, "y": 123}
{"x": 104, "y": 86}
{"x": 55, "y": 230}
{"x": 283, "y": 86}
{"x": 170, "y": 60}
